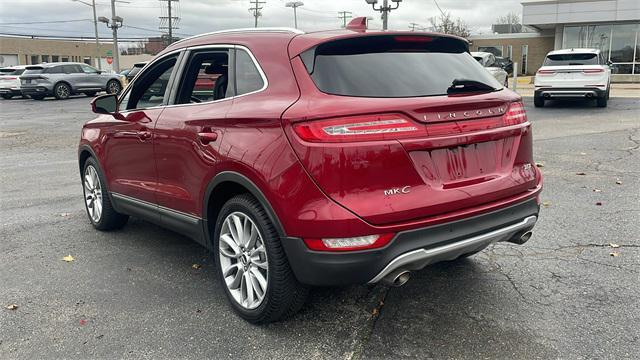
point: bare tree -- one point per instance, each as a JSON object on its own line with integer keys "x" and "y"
{"x": 510, "y": 18}
{"x": 446, "y": 24}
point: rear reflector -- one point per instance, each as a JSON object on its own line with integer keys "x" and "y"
{"x": 546, "y": 72}
{"x": 515, "y": 115}
{"x": 8, "y": 78}
{"x": 359, "y": 128}
{"x": 349, "y": 244}
{"x": 592, "y": 71}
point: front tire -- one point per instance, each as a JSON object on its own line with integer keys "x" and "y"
{"x": 251, "y": 263}
{"x": 62, "y": 91}
{"x": 7, "y": 96}
{"x": 538, "y": 101}
{"x": 113, "y": 87}
{"x": 97, "y": 200}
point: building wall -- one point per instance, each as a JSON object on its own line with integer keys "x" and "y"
{"x": 31, "y": 51}
{"x": 538, "y": 47}
{"x": 551, "y": 12}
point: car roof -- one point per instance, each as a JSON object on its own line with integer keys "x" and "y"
{"x": 58, "y": 63}
{"x": 574, "y": 50}
{"x": 15, "y": 67}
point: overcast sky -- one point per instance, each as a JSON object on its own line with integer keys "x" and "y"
{"x": 198, "y": 16}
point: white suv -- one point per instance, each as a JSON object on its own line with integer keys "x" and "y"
{"x": 573, "y": 73}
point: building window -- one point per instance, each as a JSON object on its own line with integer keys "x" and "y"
{"x": 55, "y": 58}
{"x": 87, "y": 60}
{"x": 495, "y": 50}
{"x": 45, "y": 58}
{"x": 64, "y": 59}
{"x": 523, "y": 63}
{"x": 35, "y": 59}
{"x": 618, "y": 43}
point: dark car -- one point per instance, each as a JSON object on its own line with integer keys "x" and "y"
{"x": 64, "y": 79}
{"x": 135, "y": 70}
{"x": 320, "y": 159}
{"x": 505, "y": 63}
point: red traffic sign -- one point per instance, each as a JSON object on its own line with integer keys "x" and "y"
{"x": 109, "y": 60}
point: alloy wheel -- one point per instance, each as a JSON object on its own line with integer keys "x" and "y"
{"x": 62, "y": 91}
{"x": 243, "y": 260}
{"x": 114, "y": 88}
{"x": 93, "y": 193}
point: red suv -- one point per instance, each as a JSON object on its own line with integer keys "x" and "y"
{"x": 311, "y": 159}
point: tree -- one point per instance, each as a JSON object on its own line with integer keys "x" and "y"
{"x": 510, "y": 18}
{"x": 447, "y": 25}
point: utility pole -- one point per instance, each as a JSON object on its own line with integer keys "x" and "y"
{"x": 384, "y": 9}
{"x": 170, "y": 21}
{"x": 114, "y": 24}
{"x": 257, "y": 6}
{"x": 344, "y": 15}
{"x": 414, "y": 26}
{"x": 294, "y": 5}
{"x": 95, "y": 29}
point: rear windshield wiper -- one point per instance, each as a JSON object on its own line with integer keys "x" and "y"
{"x": 466, "y": 85}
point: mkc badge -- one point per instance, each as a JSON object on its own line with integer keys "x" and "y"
{"x": 452, "y": 115}
{"x": 397, "y": 191}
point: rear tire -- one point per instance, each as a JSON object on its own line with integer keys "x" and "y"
{"x": 98, "y": 200}
{"x": 538, "y": 101}
{"x": 7, "y": 96}
{"x": 259, "y": 266}
{"x": 602, "y": 101}
{"x": 114, "y": 87}
{"x": 62, "y": 91}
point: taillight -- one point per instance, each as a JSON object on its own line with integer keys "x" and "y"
{"x": 349, "y": 244}
{"x": 359, "y": 128}
{"x": 545, "y": 72}
{"x": 9, "y": 78}
{"x": 592, "y": 71}
{"x": 514, "y": 115}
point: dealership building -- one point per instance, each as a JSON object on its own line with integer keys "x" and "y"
{"x": 613, "y": 26}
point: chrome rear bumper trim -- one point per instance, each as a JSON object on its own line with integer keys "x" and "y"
{"x": 418, "y": 259}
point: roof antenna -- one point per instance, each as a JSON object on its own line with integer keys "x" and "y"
{"x": 358, "y": 24}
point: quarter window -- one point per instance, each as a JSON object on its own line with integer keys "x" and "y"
{"x": 150, "y": 88}
{"x": 248, "y": 78}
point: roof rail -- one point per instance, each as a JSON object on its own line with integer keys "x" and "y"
{"x": 263, "y": 29}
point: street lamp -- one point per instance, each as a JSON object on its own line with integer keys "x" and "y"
{"x": 384, "y": 9}
{"x": 294, "y": 5}
{"x": 95, "y": 28}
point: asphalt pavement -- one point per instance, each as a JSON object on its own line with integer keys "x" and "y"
{"x": 571, "y": 292}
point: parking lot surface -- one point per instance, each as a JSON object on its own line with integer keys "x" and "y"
{"x": 571, "y": 292}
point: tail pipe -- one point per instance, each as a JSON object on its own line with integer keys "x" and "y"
{"x": 397, "y": 278}
{"x": 521, "y": 238}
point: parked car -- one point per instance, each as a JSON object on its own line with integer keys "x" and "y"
{"x": 573, "y": 73}
{"x": 135, "y": 70}
{"x": 10, "y": 81}
{"x": 65, "y": 79}
{"x": 331, "y": 158}
{"x": 488, "y": 61}
{"x": 505, "y": 63}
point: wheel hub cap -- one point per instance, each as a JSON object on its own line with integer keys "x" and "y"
{"x": 243, "y": 260}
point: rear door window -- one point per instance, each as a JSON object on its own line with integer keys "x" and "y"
{"x": 206, "y": 77}
{"x": 393, "y": 66}
{"x": 571, "y": 59}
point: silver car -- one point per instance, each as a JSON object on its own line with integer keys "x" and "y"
{"x": 65, "y": 79}
{"x": 488, "y": 61}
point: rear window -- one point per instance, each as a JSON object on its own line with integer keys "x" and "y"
{"x": 33, "y": 70}
{"x": 571, "y": 59}
{"x": 392, "y": 66}
{"x": 10, "y": 71}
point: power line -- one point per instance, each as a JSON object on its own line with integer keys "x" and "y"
{"x": 45, "y": 22}
{"x": 257, "y": 6}
{"x": 344, "y": 15}
{"x": 438, "y": 6}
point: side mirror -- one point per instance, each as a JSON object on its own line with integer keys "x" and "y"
{"x": 105, "y": 104}
{"x": 98, "y": 72}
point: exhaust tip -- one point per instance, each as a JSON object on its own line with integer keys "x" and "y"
{"x": 401, "y": 278}
{"x": 521, "y": 239}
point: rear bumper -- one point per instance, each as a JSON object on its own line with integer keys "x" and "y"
{"x": 412, "y": 249}
{"x": 36, "y": 90}
{"x": 583, "y": 92}
{"x": 12, "y": 91}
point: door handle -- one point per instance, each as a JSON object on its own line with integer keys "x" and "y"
{"x": 207, "y": 137}
{"x": 144, "y": 135}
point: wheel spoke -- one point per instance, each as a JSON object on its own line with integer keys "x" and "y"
{"x": 251, "y": 243}
{"x": 259, "y": 280}
{"x": 248, "y": 282}
{"x": 239, "y": 230}
{"x": 230, "y": 269}
{"x": 230, "y": 244}
{"x": 237, "y": 280}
